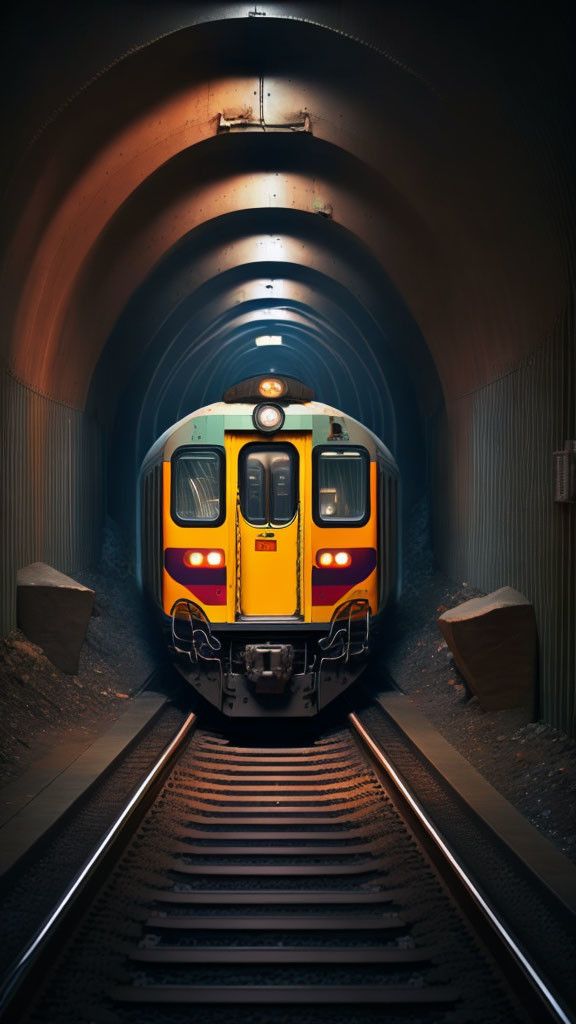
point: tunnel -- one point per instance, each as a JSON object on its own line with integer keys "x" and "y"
{"x": 387, "y": 189}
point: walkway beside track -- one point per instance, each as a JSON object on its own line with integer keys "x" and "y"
{"x": 42, "y": 801}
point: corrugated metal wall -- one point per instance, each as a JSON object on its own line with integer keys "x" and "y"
{"x": 496, "y": 523}
{"x": 52, "y": 491}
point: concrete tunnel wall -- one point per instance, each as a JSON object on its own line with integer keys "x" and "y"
{"x": 438, "y": 160}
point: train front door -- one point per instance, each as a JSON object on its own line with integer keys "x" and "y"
{"x": 269, "y": 525}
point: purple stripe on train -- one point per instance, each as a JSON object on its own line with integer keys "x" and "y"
{"x": 189, "y": 576}
{"x": 363, "y": 563}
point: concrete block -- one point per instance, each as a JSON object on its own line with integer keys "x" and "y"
{"x": 54, "y": 611}
{"x": 494, "y": 643}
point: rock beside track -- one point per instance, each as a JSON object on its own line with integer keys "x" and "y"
{"x": 42, "y": 707}
{"x": 53, "y": 612}
{"x": 493, "y": 640}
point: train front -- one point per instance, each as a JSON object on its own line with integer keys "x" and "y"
{"x": 269, "y": 548}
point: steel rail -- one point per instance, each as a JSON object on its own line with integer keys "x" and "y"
{"x": 528, "y": 969}
{"x": 12, "y": 983}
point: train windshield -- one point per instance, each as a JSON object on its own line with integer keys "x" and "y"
{"x": 342, "y": 486}
{"x": 268, "y": 477}
{"x": 197, "y": 486}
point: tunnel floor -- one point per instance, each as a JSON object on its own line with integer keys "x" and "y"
{"x": 42, "y": 710}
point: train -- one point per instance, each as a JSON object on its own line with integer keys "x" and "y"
{"x": 269, "y": 546}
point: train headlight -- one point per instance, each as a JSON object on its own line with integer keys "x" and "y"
{"x": 333, "y": 559}
{"x": 272, "y": 388}
{"x": 342, "y": 558}
{"x": 215, "y": 558}
{"x": 268, "y": 418}
{"x": 204, "y": 557}
{"x": 194, "y": 558}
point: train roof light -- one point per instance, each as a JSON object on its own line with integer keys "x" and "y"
{"x": 272, "y": 387}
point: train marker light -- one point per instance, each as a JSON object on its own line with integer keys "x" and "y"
{"x": 272, "y": 387}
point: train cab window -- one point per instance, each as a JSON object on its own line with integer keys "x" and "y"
{"x": 254, "y": 505}
{"x": 268, "y": 476}
{"x": 282, "y": 489}
{"x": 341, "y": 486}
{"x": 198, "y": 487}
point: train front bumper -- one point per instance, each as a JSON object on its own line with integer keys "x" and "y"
{"x": 270, "y": 667}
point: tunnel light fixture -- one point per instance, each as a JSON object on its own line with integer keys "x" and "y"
{"x": 268, "y": 339}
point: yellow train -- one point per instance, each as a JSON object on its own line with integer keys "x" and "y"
{"x": 269, "y": 545}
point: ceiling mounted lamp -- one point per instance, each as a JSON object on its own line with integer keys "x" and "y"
{"x": 268, "y": 339}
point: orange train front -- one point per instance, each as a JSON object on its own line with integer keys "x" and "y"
{"x": 269, "y": 543}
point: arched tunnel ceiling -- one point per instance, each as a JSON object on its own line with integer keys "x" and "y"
{"x": 250, "y": 265}
{"x": 194, "y": 188}
{"x": 136, "y": 161}
{"x": 188, "y": 333}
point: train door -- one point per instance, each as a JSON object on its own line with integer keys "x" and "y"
{"x": 269, "y": 525}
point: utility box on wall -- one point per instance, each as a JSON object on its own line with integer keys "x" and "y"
{"x": 565, "y": 473}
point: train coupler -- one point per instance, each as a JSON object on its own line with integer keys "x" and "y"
{"x": 269, "y": 666}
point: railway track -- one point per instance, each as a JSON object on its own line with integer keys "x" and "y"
{"x": 269, "y": 883}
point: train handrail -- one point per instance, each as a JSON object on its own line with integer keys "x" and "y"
{"x": 198, "y": 638}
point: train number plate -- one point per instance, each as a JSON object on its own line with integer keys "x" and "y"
{"x": 265, "y": 545}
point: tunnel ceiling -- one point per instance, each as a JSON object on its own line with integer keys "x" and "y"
{"x": 235, "y": 275}
{"x": 407, "y": 196}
